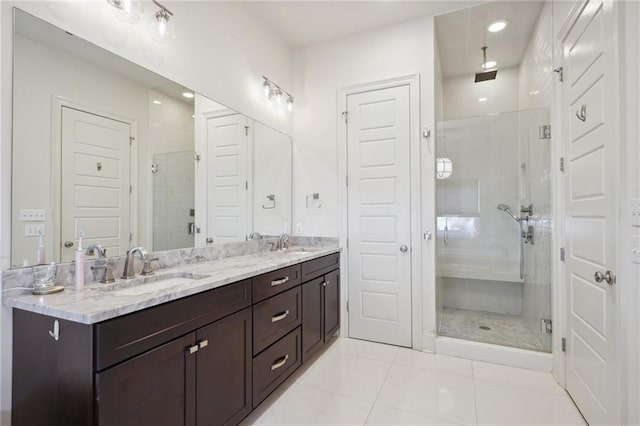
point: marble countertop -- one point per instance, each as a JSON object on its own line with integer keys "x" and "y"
{"x": 96, "y": 303}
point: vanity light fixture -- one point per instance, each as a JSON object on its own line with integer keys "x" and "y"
{"x": 188, "y": 95}
{"x": 161, "y": 27}
{"x": 497, "y": 26}
{"x": 129, "y": 11}
{"x": 273, "y": 91}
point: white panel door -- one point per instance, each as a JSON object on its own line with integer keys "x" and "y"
{"x": 227, "y": 208}
{"x": 378, "y": 146}
{"x": 591, "y": 150}
{"x": 95, "y": 195}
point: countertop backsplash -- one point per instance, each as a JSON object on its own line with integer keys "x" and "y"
{"x": 28, "y": 276}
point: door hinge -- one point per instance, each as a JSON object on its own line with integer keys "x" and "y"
{"x": 345, "y": 116}
{"x": 246, "y": 130}
{"x": 131, "y": 139}
{"x": 546, "y": 326}
{"x": 347, "y": 306}
{"x": 347, "y": 243}
{"x": 562, "y": 164}
{"x": 544, "y": 132}
{"x": 130, "y": 237}
{"x": 130, "y": 189}
{"x": 564, "y": 344}
{"x": 560, "y": 72}
{"x": 246, "y": 184}
{"x": 562, "y": 256}
{"x": 346, "y": 180}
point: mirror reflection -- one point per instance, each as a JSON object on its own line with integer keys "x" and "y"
{"x": 127, "y": 157}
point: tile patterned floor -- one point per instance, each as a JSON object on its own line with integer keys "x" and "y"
{"x": 505, "y": 329}
{"x": 362, "y": 383}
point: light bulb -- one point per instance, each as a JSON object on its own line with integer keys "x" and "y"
{"x": 129, "y": 11}
{"x": 161, "y": 27}
{"x": 279, "y": 96}
{"x": 497, "y": 26}
{"x": 267, "y": 89}
{"x": 290, "y": 104}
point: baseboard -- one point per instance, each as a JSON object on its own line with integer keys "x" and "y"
{"x": 428, "y": 343}
{"x": 495, "y": 354}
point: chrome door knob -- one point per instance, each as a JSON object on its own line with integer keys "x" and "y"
{"x": 68, "y": 244}
{"x": 404, "y": 248}
{"x": 608, "y": 277}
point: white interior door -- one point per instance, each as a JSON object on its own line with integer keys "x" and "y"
{"x": 591, "y": 150}
{"x": 227, "y": 186}
{"x": 95, "y": 182}
{"x": 378, "y": 147}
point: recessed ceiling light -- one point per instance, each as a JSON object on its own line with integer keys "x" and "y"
{"x": 157, "y": 102}
{"x": 482, "y": 100}
{"x": 497, "y": 26}
{"x": 188, "y": 95}
{"x": 490, "y": 64}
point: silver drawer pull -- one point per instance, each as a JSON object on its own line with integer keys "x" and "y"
{"x": 279, "y": 282}
{"x": 280, "y": 317}
{"x": 203, "y": 344}
{"x": 192, "y": 349}
{"x": 279, "y": 363}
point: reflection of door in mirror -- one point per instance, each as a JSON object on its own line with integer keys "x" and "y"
{"x": 227, "y": 212}
{"x": 95, "y": 193}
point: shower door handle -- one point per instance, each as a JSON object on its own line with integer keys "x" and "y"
{"x": 404, "y": 248}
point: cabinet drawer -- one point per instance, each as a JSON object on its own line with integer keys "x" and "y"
{"x": 317, "y": 267}
{"x": 124, "y": 337}
{"x": 272, "y": 283}
{"x": 275, "y": 364}
{"x": 275, "y": 317}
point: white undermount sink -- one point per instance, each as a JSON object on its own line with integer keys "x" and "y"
{"x": 149, "y": 283}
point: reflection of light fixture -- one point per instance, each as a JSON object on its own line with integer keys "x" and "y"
{"x": 188, "y": 95}
{"x": 161, "y": 27}
{"x": 490, "y": 64}
{"x": 157, "y": 102}
{"x": 482, "y": 100}
{"x": 129, "y": 11}
{"x": 444, "y": 167}
{"x": 273, "y": 91}
{"x": 497, "y": 26}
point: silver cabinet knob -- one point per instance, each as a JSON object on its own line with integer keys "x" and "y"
{"x": 68, "y": 244}
{"x": 404, "y": 248}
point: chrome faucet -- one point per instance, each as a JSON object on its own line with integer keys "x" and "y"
{"x": 129, "y": 271}
{"x": 93, "y": 248}
{"x": 283, "y": 241}
{"x": 102, "y": 254}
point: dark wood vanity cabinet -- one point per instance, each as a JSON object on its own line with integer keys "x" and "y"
{"x": 207, "y": 359}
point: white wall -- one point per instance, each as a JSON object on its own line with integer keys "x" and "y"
{"x": 320, "y": 70}
{"x": 462, "y": 94}
{"x": 233, "y": 50}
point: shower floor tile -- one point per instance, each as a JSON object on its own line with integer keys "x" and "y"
{"x": 504, "y": 329}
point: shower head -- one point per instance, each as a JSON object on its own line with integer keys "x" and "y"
{"x": 485, "y": 75}
{"x": 505, "y": 208}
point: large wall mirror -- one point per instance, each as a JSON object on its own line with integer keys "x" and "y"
{"x": 105, "y": 147}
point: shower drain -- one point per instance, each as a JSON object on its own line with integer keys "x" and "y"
{"x": 484, "y": 327}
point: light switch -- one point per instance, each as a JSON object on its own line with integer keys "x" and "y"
{"x": 635, "y": 211}
{"x": 34, "y": 230}
{"x": 299, "y": 228}
{"x": 32, "y": 215}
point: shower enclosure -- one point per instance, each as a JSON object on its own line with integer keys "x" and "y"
{"x": 173, "y": 200}
{"x": 494, "y": 229}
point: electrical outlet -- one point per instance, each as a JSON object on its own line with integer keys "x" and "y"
{"x": 299, "y": 228}
{"x": 635, "y": 212}
{"x": 34, "y": 230}
{"x": 635, "y": 249}
{"x": 32, "y": 215}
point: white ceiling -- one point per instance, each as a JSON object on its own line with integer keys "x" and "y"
{"x": 301, "y": 23}
{"x": 462, "y": 34}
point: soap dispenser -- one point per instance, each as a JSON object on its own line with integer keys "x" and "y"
{"x": 79, "y": 255}
{"x": 41, "y": 257}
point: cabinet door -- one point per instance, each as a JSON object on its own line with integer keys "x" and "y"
{"x": 331, "y": 303}
{"x": 149, "y": 389}
{"x": 312, "y": 317}
{"x": 224, "y": 370}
